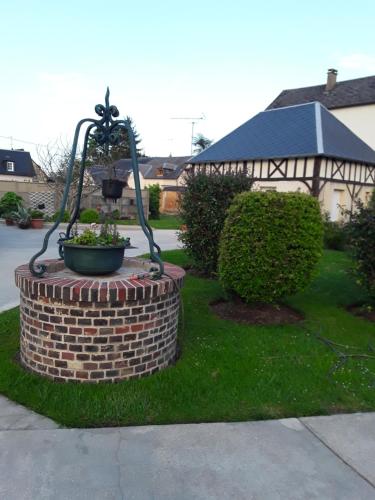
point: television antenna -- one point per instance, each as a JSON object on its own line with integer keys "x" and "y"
{"x": 193, "y": 120}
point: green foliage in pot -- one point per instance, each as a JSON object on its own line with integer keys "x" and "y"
{"x": 22, "y": 217}
{"x": 37, "y": 214}
{"x": 203, "y": 210}
{"x": 108, "y": 236}
{"x": 10, "y": 203}
{"x": 270, "y": 245}
{"x": 89, "y": 216}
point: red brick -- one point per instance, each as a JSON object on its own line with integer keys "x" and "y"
{"x": 67, "y": 355}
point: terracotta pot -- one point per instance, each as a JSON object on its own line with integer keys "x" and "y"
{"x": 37, "y": 223}
{"x": 9, "y": 222}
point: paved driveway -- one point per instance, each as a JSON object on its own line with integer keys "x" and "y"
{"x": 18, "y": 245}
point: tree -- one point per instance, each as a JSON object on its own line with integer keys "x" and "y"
{"x": 200, "y": 143}
{"x": 98, "y": 155}
{"x": 54, "y": 160}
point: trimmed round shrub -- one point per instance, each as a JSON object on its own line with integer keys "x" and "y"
{"x": 65, "y": 217}
{"x": 89, "y": 216}
{"x": 270, "y": 245}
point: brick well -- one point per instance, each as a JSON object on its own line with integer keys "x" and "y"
{"x": 97, "y": 329}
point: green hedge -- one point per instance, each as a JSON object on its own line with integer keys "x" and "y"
{"x": 270, "y": 245}
{"x": 89, "y": 216}
{"x": 154, "y": 201}
{"x": 65, "y": 218}
{"x": 361, "y": 230}
{"x": 203, "y": 210}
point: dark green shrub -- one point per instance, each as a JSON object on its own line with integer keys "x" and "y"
{"x": 36, "y": 214}
{"x": 335, "y": 235}
{"x": 10, "y": 203}
{"x": 89, "y": 216}
{"x": 203, "y": 210}
{"x": 65, "y": 218}
{"x": 361, "y": 229}
{"x": 116, "y": 214}
{"x": 270, "y": 245}
{"x": 154, "y": 201}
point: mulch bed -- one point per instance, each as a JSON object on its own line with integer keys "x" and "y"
{"x": 255, "y": 314}
{"x": 362, "y": 311}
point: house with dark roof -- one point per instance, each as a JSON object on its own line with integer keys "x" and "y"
{"x": 296, "y": 148}
{"x": 351, "y": 101}
{"x": 16, "y": 165}
{"x": 20, "y": 174}
{"x": 167, "y": 172}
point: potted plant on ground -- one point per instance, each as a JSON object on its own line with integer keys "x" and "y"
{"x": 22, "y": 217}
{"x": 8, "y": 216}
{"x": 95, "y": 254}
{"x": 37, "y": 219}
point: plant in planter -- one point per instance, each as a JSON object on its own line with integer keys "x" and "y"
{"x": 9, "y": 220}
{"x": 22, "y": 217}
{"x": 37, "y": 219}
{"x": 95, "y": 254}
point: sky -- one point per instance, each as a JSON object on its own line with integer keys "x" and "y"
{"x": 223, "y": 61}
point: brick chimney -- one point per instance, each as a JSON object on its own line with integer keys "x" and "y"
{"x": 331, "y": 79}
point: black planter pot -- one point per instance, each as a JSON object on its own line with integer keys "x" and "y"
{"x": 112, "y": 188}
{"x": 93, "y": 260}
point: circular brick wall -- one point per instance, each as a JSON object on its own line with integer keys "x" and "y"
{"x": 99, "y": 329}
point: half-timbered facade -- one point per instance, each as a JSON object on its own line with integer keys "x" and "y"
{"x": 297, "y": 148}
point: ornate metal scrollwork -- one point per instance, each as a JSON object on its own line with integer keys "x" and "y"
{"x": 104, "y": 131}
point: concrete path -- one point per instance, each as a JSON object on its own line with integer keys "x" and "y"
{"x": 322, "y": 458}
{"x": 16, "y": 417}
{"x": 17, "y": 247}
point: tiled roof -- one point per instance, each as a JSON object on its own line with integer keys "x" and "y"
{"x": 359, "y": 91}
{"x": 149, "y": 167}
{"x": 23, "y": 165}
{"x": 295, "y": 131}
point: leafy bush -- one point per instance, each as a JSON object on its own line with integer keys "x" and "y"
{"x": 10, "y": 203}
{"x": 89, "y": 216}
{"x": 270, "y": 245}
{"x": 37, "y": 214}
{"x": 65, "y": 218}
{"x": 154, "y": 200}
{"x": 116, "y": 214}
{"x": 335, "y": 234}
{"x": 203, "y": 210}
{"x": 361, "y": 229}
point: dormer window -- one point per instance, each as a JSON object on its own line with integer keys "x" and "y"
{"x": 10, "y": 166}
{"x": 159, "y": 172}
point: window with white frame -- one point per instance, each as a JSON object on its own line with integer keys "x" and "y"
{"x": 10, "y": 166}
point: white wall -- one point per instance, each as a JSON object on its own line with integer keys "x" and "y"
{"x": 360, "y": 119}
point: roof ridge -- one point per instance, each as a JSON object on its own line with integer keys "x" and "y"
{"x": 319, "y": 128}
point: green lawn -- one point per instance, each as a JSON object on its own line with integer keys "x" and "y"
{"x": 227, "y": 372}
{"x": 165, "y": 222}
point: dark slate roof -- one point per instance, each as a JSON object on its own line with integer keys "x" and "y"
{"x": 148, "y": 167}
{"x": 23, "y": 163}
{"x": 359, "y": 91}
{"x": 172, "y": 167}
{"x": 295, "y": 131}
{"x": 122, "y": 168}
